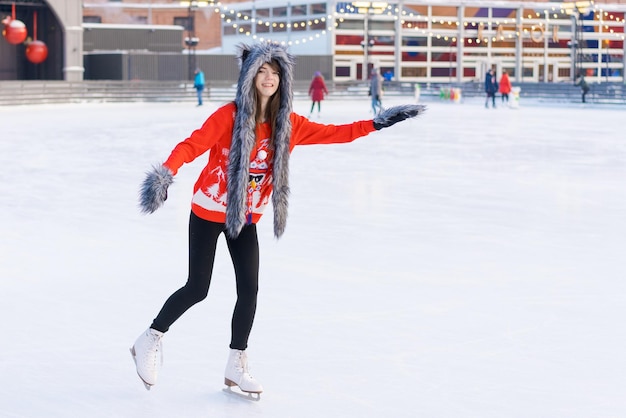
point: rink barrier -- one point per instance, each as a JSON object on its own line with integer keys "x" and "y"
{"x": 50, "y": 92}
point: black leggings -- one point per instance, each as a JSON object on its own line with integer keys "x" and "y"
{"x": 244, "y": 252}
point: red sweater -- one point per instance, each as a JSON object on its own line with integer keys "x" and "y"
{"x": 215, "y": 136}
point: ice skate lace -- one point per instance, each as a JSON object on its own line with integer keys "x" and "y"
{"x": 151, "y": 361}
{"x": 241, "y": 364}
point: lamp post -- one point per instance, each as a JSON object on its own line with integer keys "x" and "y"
{"x": 607, "y": 58}
{"x": 579, "y": 41}
{"x": 367, "y": 8}
{"x": 191, "y": 41}
{"x": 450, "y": 62}
{"x": 366, "y": 44}
{"x": 577, "y": 10}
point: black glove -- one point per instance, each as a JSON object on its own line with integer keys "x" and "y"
{"x": 153, "y": 190}
{"x": 396, "y": 114}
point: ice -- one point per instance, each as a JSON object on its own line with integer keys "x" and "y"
{"x": 468, "y": 263}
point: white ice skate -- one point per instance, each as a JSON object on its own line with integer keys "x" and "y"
{"x": 237, "y": 374}
{"x": 148, "y": 356}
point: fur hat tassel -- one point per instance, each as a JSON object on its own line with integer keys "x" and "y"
{"x": 395, "y": 114}
{"x": 252, "y": 57}
{"x": 153, "y": 190}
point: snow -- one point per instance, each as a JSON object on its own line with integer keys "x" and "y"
{"x": 468, "y": 263}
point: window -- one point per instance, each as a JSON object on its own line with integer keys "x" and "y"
{"x": 317, "y": 24}
{"x": 140, "y": 20}
{"x": 469, "y": 72}
{"x": 92, "y": 19}
{"x": 262, "y": 28}
{"x": 185, "y": 22}
{"x": 350, "y": 24}
{"x": 413, "y": 72}
{"x": 348, "y": 39}
{"x": 263, "y": 13}
{"x": 342, "y": 72}
{"x": 279, "y": 11}
{"x": 414, "y": 56}
{"x": 443, "y": 72}
{"x": 407, "y": 24}
{"x": 279, "y": 27}
{"x": 318, "y": 8}
{"x": 414, "y": 41}
{"x": 298, "y": 10}
{"x": 382, "y": 40}
{"x": 380, "y": 25}
{"x": 298, "y": 26}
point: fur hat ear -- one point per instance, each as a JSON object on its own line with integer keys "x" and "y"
{"x": 244, "y": 53}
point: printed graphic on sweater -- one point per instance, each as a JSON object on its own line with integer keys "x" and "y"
{"x": 213, "y": 196}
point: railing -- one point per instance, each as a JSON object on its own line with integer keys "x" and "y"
{"x": 44, "y": 92}
{"x": 604, "y": 93}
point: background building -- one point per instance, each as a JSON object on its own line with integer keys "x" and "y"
{"x": 409, "y": 40}
{"x": 437, "y": 41}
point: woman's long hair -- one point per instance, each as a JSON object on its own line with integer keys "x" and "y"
{"x": 247, "y": 117}
{"x": 273, "y": 105}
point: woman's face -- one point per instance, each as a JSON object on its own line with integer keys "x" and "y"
{"x": 267, "y": 81}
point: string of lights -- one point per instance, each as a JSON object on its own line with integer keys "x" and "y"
{"x": 532, "y": 26}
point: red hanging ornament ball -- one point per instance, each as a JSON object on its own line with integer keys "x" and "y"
{"x": 15, "y": 32}
{"x": 36, "y": 52}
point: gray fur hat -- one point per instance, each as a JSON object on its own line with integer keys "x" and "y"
{"x": 251, "y": 58}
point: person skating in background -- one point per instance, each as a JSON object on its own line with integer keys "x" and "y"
{"x": 491, "y": 87}
{"x": 317, "y": 91}
{"x": 249, "y": 143}
{"x": 198, "y": 84}
{"x": 584, "y": 87}
{"x": 505, "y": 86}
{"x": 376, "y": 90}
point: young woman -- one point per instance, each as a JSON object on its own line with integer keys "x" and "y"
{"x": 249, "y": 143}
{"x": 317, "y": 91}
{"x": 505, "y": 86}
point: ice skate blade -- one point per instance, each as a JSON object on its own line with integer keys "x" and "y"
{"x": 132, "y": 353}
{"x": 248, "y": 396}
{"x": 230, "y": 383}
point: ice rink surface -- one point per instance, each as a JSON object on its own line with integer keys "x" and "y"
{"x": 469, "y": 263}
